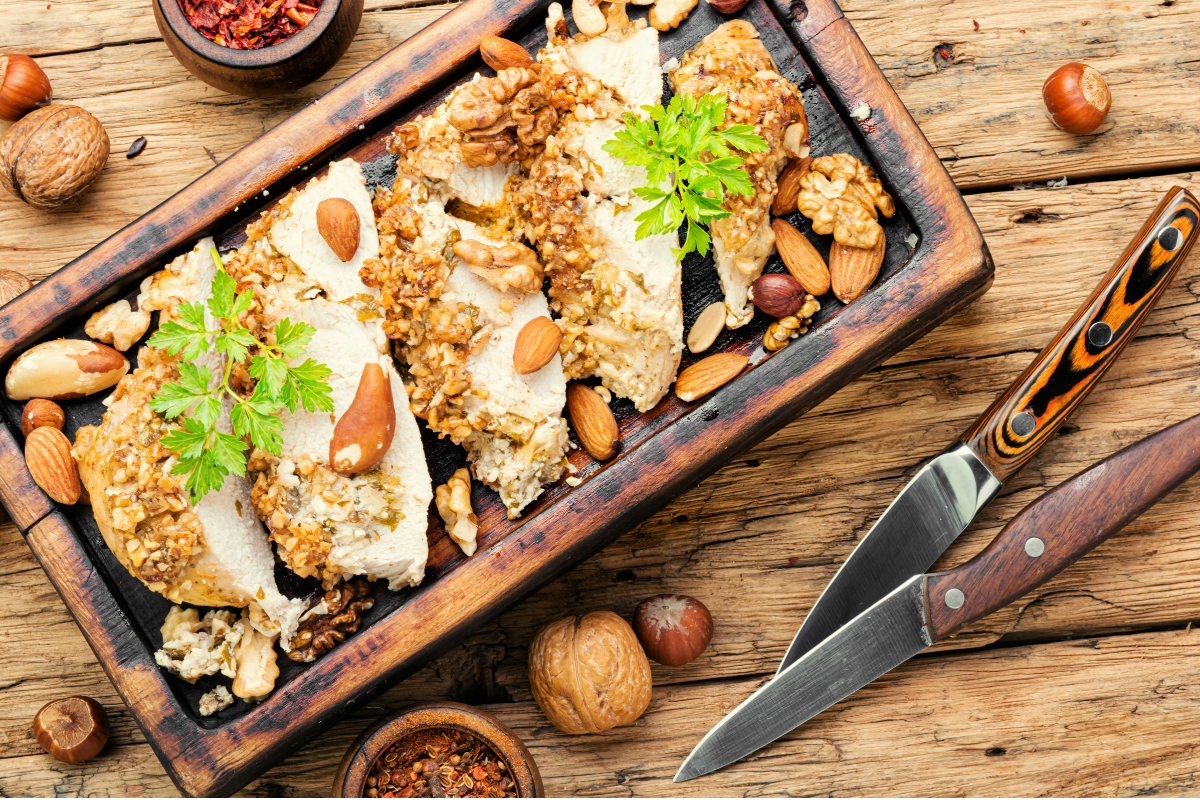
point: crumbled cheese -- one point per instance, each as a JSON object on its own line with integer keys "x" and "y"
{"x": 861, "y": 111}
{"x": 911, "y": 240}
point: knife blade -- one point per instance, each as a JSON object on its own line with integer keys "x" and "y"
{"x": 1045, "y": 538}
{"x": 946, "y": 494}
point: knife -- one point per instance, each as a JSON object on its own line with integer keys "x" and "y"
{"x": 946, "y": 494}
{"x": 1048, "y": 536}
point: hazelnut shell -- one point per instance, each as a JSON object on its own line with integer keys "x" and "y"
{"x": 72, "y": 729}
{"x": 23, "y": 87}
{"x": 52, "y": 156}
{"x": 1076, "y": 98}
{"x": 673, "y": 628}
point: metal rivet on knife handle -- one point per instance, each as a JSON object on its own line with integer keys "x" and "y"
{"x": 1063, "y": 374}
{"x": 955, "y": 598}
{"x": 1169, "y": 238}
{"x": 1034, "y": 547}
{"x": 1100, "y": 334}
{"x": 1023, "y": 423}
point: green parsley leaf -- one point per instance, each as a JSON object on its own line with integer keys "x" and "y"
{"x": 684, "y": 145}
{"x": 208, "y": 455}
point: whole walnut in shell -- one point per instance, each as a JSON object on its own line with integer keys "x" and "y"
{"x": 589, "y": 673}
{"x": 52, "y": 156}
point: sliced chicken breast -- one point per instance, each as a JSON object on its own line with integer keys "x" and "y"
{"x": 732, "y": 61}
{"x": 214, "y": 553}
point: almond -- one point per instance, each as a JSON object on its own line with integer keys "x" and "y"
{"x": 707, "y": 327}
{"x": 337, "y": 222}
{"x": 776, "y": 295}
{"x": 852, "y": 270}
{"x": 788, "y": 191}
{"x": 48, "y": 456}
{"x": 536, "y": 345}
{"x": 709, "y": 374}
{"x": 499, "y": 53}
{"x": 12, "y": 284}
{"x": 41, "y": 413}
{"x": 593, "y": 421}
{"x": 63, "y": 369}
{"x": 364, "y": 433}
{"x": 801, "y": 258}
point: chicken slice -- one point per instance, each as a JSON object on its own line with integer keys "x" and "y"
{"x": 518, "y": 442}
{"x": 293, "y": 231}
{"x": 732, "y": 61}
{"x": 334, "y": 526}
{"x": 211, "y": 553}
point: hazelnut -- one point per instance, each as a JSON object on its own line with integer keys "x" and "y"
{"x": 41, "y": 413}
{"x": 776, "y": 295}
{"x": 728, "y": 6}
{"x": 52, "y": 156}
{"x": 23, "y": 87}
{"x": 73, "y": 729}
{"x": 673, "y": 628}
{"x": 589, "y": 674}
{"x": 1076, "y": 98}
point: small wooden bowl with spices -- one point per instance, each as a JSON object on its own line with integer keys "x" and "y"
{"x": 288, "y": 44}
{"x": 438, "y": 750}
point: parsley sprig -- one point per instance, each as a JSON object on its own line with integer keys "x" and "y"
{"x": 685, "y": 144}
{"x": 207, "y": 455}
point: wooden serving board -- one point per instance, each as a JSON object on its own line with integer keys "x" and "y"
{"x": 936, "y": 263}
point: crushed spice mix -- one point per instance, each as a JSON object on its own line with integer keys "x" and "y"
{"x": 249, "y": 24}
{"x": 439, "y": 762}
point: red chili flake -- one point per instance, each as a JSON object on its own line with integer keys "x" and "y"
{"x": 944, "y": 53}
{"x": 1022, "y": 30}
{"x": 249, "y": 24}
{"x": 976, "y": 24}
{"x": 793, "y": 559}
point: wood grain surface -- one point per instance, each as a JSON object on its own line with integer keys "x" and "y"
{"x": 1085, "y": 687}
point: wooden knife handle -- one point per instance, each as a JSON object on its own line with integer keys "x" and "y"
{"x": 1027, "y": 415}
{"x": 1061, "y": 526}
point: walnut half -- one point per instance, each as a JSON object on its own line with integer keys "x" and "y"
{"x": 513, "y": 266}
{"x": 118, "y": 324}
{"x": 839, "y": 194}
{"x": 453, "y": 500}
{"x": 339, "y": 613}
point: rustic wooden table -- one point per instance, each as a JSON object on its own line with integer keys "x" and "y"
{"x": 1089, "y": 686}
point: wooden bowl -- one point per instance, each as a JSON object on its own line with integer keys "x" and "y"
{"x": 292, "y": 63}
{"x": 352, "y": 773}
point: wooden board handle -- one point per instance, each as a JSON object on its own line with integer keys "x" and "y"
{"x": 1061, "y": 526}
{"x": 1027, "y": 415}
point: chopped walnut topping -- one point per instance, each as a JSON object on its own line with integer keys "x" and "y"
{"x": 839, "y": 194}
{"x": 513, "y": 266}
{"x": 454, "y": 506}
{"x": 149, "y": 508}
{"x": 337, "y": 615}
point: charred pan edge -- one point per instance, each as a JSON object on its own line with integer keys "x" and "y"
{"x": 950, "y": 268}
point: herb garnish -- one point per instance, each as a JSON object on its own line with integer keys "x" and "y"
{"x": 683, "y": 143}
{"x": 207, "y": 455}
